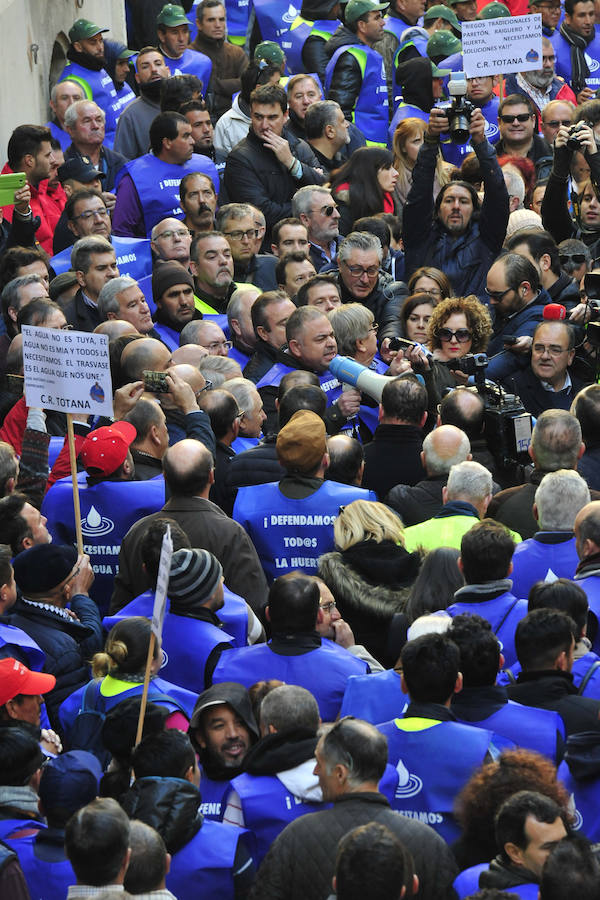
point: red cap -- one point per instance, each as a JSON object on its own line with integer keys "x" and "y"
{"x": 105, "y": 449}
{"x": 16, "y": 678}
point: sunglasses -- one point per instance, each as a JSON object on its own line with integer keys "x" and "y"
{"x": 578, "y": 258}
{"x": 522, "y": 117}
{"x": 556, "y": 123}
{"x": 462, "y": 335}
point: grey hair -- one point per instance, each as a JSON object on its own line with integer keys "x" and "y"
{"x": 469, "y": 480}
{"x": 84, "y": 249}
{"x": 319, "y": 115}
{"x": 514, "y": 185}
{"x": 289, "y": 706}
{"x": 233, "y": 211}
{"x": 72, "y": 112}
{"x": 559, "y": 497}
{"x": 54, "y": 91}
{"x": 244, "y": 392}
{"x": 441, "y": 465}
{"x": 107, "y": 298}
{"x": 556, "y": 440}
{"x": 351, "y": 322}
{"x": 234, "y": 307}
{"x": 359, "y": 240}
{"x": 302, "y": 199}
{"x": 218, "y": 368}
{"x": 10, "y": 292}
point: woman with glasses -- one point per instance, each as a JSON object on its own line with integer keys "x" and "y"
{"x": 429, "y": 280}
{"x": 369, "y": 575}
{"x": 364, "y": 186}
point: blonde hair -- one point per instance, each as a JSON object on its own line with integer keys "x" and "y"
{"x": 126, "y": 648}
{"x": 405, "y": 131}
{"x": 365, "y": 520}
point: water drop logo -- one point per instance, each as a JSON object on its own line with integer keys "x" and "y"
{"x": 532, "y": 56}
{"x": 593, "y": 64}
{"x": 408, "y": 784}
{"x": 97, "y": 393}
{"x": 290, "y": 15}
{"x": 95, "y": 525}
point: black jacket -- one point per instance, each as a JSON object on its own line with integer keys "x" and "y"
{"x": 80, "y": 315}
{"x": 260, "y": 272}
{"x": 384, "y": 301}
{"x": 393, "y": 457}
{"x": 540, "y": 153}
{"x": 556, "y": 217}
{"x": 253, "y": 174}
{"x": 553, "y": 689}
{"x": 526, "y": 385}
{"x": 419, "y": 502}
{"x": 257, "y": 465}
{"x": 260, "y": 362}
{"x": 111, "y": 163}
{"x": 565, "y": 290}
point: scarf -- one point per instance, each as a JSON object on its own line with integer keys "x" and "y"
{"x": 579, "y": 67}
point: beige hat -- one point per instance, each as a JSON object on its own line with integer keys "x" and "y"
{"x": 301, "y": 444}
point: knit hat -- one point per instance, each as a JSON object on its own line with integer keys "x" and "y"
{"x": 166, "y": 274}
{"x": 43, "y": 567}
{"x": 83, "y": 29}
{"x": 301, "y": 444}
{"x": 270, "y": 52}
{"x": 526, "y": 219}
{"x": 15, "y": 678}
{"x": 70, "y": 781}
{"x": 105, "y": 449}
{"x": 194, "y": 574}
{"x": 442, "y": 12}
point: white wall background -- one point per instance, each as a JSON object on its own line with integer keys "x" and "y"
{"x": 25, "y": 83}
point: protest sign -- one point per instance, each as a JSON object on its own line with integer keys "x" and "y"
{"x": 502, "y": 46}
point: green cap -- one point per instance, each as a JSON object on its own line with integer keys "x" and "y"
{"x": 172, "y": 15}
{"x": 126, "y": 53}
{"x": 442, "y": 12}
{"x": 269, "y": 52}
{"x": 494, "y": 10}
{"x": 439, "y": 73}
{"x": 440, "y": 45}
{"x": 357, "y": 8}
{"x": 83, "y": 29}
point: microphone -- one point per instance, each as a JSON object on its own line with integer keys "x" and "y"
{"x": 554, "y": 312}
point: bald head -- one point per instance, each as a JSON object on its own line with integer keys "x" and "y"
{"x": 443, "y": 448}
{"x": 115, "y": 328}
{"x": 145, "y": 354}
{"x": 190, "y": 374}
{"x": 188, "y": 468}
{"x": 206, "y": 333}
{"x": 587, "y": 530}
{"x": 190, "y": 354}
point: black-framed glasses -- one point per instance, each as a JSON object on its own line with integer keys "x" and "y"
{"x": 327, "y": 607}
{"x": 497, "y": 295}
{"x": 207, "y": 387}
{"x": 521, "y": 117}
{"x": 556, "y": 123}
{"x": 92, "y": 213}
{"x": 359, "y": 271}
{"x": 462, "y": 335}
{"x": 240, "y": 235}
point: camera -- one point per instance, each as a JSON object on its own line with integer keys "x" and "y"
{"x": 573, "y": 141}
{"x": 471, "y": 364}
{"x": 460, "y": 110}
{"x": 591, "y": 284}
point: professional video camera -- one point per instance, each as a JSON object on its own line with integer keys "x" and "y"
{"x": 460, "y": 110}
{"x": 507, "y": 422}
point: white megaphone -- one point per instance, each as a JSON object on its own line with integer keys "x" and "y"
{"x": 351, "y": 372}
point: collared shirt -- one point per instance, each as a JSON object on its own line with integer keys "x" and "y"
{"x": 539, "y": 98}
{"x": 77, "y": 891}
{"x": 156, "y": 895}
{"x": 88, "y": 300}
{"x": 566, "y": 386}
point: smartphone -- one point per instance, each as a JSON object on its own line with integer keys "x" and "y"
{"x": 8, "y": 185}
{"x": 155, "y": 382}
{"x": 398, "y": 343}
{"x": 510, "y": 339}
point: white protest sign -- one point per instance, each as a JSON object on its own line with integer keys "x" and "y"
{"x": 162, "y": 584}
{"x": 502, "y": 46}
{"x": 68, "y": 371}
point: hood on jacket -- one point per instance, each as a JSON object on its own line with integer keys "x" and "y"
{"x": 170, "y": 805}
{"x": 343, "y": 580}
{"x": 94, "y": 63}
{"x": 279, "y": 751}
{"x": 317, "y": 9}
{"x": 414, "y": 77}
{"x": 236, "y": 696}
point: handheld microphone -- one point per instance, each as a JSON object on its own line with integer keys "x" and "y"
{"x": 554, "y": 312}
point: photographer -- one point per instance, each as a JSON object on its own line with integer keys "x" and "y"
{"x": 465, "y": 236}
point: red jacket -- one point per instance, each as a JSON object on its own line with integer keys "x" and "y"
{"x": 43, "y": 206}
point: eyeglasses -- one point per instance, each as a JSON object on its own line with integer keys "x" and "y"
{"x": 181, "y": 232}
{"x": 207, "y": 387}
{"x": 359, "y": 271}
{"x": 325, "y": 210}
{"x": 240, "y": 235}
{"x": 578, "y": 258}
{"x": 497, "y": 295}
{"x": 552, "y": 349}
{"x": 374, "y": 327}
{"x": 92, "y": 213}
{"x": 67, "y": 326}
{"x": 216, "y": 345}
{"x": 556, "y": 123}
{"x": 327, "y": 607}
{"x": 522, "y": 117}
{"x": 462, "y": 335}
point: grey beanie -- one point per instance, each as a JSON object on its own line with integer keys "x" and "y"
{"x": 194, "y": 574}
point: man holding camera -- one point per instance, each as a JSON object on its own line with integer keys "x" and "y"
{"x": 466, "y": 235}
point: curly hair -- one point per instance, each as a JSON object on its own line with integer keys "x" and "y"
{"x": 487, "y": 789}
{"x": 479, "y": 322}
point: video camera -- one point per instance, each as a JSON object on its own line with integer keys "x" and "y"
{"x": 460, "y": 110}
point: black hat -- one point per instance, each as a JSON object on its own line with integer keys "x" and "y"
{"x": 230, "y": 692}
{"x": 166, "y": 274}
{"x": 80, "y": 168}
{"x": 43, "y": 567}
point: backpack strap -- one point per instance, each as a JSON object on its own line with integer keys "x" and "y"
{"x": 90, "y": 698}
{"x": 584, "y": 682}
{"x": 510, "y": 676}
{"x": 156, "y": 698}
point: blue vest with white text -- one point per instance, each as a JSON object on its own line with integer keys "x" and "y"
{"x": 157, "y": 184}
{"x": 204, "y": 867}
{"x": 292, "y": 534}
{"x": 427, "y": 789}
{"x": 108, "y": 510}
{"x": 323, "y": 671}
{"x": 370, "y": 113}
{"x": 99, "y": 87}
{"x": 268, "y": 807}
{"x": 586, "y": 798}
{"x": 535, "y": 729}
{"x": 327, "y": 381}
{"x": 213, "y": 795}
{"x": 375, "y": 698}
{"x": 296, "y": 37}
{"x": 563, "y": 59}
{"x": 238, "y": 15}
{"x": 134, "y": 257}
{"x": 535, "y": 560}
{"x": 191, "y": 63}
{"x": 275, "y": 19}
{"x": 124, "y": 97}
{"x": 503, "y": 613}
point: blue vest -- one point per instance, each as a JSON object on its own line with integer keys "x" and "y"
{"x": 455, "y": 153}
{"x": 370, "y": 113}
{"x": 268, "y": 807}
{"x": 296, "y": 37}
{"x": 529, "y": 727}
{"x": 213, "y": 795}
{"x": 396, "y": 27}
{"x": 585, "y": 794}
{"x": 327, "y": 381}
{"x": 17, "y": 644}
{"x": 192, "y": 62}
{"x": 134, "y": 257}
{"x": 375, "y": 698}
{"x": 124, "y": 97}
{"x": 63, "y": 137}
{"x": 426, "y": 788}
{"x": 49, "y": 880}
{"x": 503, "y": 613}
{"x": 187, "y": 643}
{"x": 181, "y": 698}
{"x": 274, "y": 19}
{"x": 244, "y": 443}
{"x": 467, "y": 883}
{"x": 535, "y": 560}
{"x": 238, "y": 356}
{"x": 108, "y": 510}
{"x": 204, "y": 867}
{"x": 563, "y": 59}
{"x": 168, "y": 335}
{"x": 368, "y": 415}
{"x": 292, "y": 534}
{"x": 157, "y": 184}
{"x": 323, "y": 671}
{"x": 238, "y": 15}
{"x": 404, "y": 111}
{"x": 581, "y": 667}
{"x": 591, "y": 586}
{"x": 99, "y": 87}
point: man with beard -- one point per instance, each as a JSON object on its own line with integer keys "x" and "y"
{"x": 327, "y": 133}
{"x": 541, "y": 85}
{"x": 173, "y": 292}
{"x": 134, "y": 123}
{"x": 222, "y": 730}
{"x": 198, "y": 201}
{"x": 87, "y": 67}
{"x": 575, "y": 43}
